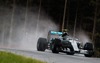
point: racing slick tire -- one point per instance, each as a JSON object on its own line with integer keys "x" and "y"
{"x": 41, "y": 44}
{"x": 89, "y": 48}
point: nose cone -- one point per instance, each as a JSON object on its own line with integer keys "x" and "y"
{"x": 74, "y": 44}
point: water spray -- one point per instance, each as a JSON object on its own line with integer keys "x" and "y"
{"x": 83, "y": 37}
{"x": 18, "y": 38}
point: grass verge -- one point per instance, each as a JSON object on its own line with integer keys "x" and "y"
{"x": 7, "y": 57}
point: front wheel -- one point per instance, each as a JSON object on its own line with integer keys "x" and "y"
{"x": 54, "y": 48}
{"x": 70, "y": 50}
{"x": 55, "y": 45}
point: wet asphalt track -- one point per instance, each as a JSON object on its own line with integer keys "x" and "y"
{"x": 49, "y": 57}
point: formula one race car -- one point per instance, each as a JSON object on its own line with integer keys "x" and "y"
{"x": 62, "y": 42}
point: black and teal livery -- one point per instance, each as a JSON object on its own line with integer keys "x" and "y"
{"x": 62, "y": 42}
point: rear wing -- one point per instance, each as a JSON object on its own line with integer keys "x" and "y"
{"x": 53, "y": 33}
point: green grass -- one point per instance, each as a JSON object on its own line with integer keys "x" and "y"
{"x": 7, "y": 57}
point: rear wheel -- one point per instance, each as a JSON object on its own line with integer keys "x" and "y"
{"x": 41, "y": 44}
{"x": 89, "y": 48}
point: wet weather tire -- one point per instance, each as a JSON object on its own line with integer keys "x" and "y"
{"x": 41, "y": 44}
{"x": 54, "y": 49}
{"x": 71, "y": 52}
{"x": 55, "y": 45}
{"x": 88, "y": 55}
{"x": 89, "y": 48}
